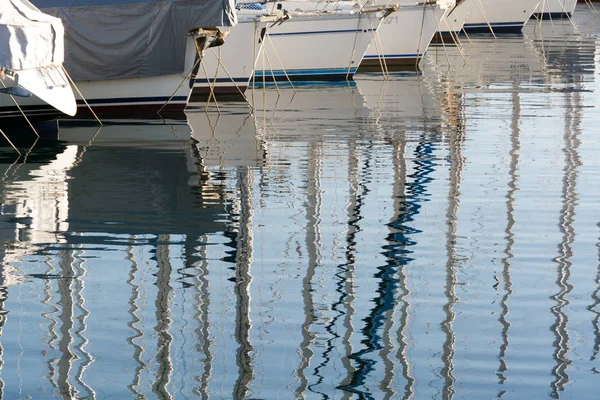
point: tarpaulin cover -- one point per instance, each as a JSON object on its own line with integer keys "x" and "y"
{"x": 111, "y": 39}
{"x": 29, "y": 38}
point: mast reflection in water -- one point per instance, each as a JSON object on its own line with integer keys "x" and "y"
{"x": 431, "y": 236}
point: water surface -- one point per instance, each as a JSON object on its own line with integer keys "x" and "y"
{"x": 431, "y": 235}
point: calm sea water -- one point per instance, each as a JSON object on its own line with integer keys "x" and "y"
{"x": 430, "y": 236}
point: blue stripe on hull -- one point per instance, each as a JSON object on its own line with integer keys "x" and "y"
{"x": 204, "y": 81}
{"x": 447, "y": 34}
{"x": 552, "y": 15}
{"x": 308, "y": 84}
{"x": 337, "y": 74}
{"x": 320, "y": 32}
{"x": 498, "y": 27}
{"x": 393, "y": 56}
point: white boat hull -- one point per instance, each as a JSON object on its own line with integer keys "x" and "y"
{"x": 454, "y": 22}
{"x": 507, "y": 16}
{"x": 404, "y": 36}
{"x": 113, "y": 99}
{"x": 316, "y": 47}
{"x": 549, "y": 9}
{"x": 226, "y": 70}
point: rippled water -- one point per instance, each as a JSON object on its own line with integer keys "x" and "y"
{"x": 427, "y": 236}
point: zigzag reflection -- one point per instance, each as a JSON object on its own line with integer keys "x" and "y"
{"x": 134, "y": 324}
{"x": 565, "y": 248}
{"x": 80, "y": 333}
{"x": 399, "y": 254}
{"x": 202, "y": 316}
{"x": 3, "y": 316}
{"x": 313, "y": 241}
{"x": 172, "y": 283}
{"x": 594, "y": 309}
{"x": 509, "y": 236}
{"x": 359, "y": 178}
{"x": 243, "y": 279}
{"x": 457, "y": 138}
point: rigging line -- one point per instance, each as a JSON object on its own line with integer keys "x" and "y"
{"x": 487, "y": 21}
{"x": 28, "y": 152}
{"x": 229, "y": 75}
{"x": 81, "y": 95}
{"x": 84, "y": 147}
{"x": 564, "y": 11}
{"x": 11, "y": 143}
{"x": 187, "y": 76}
{"x": 380, "y": 50}
{"x": 549, "y": 14}
{"x": 212, "y": 85}
{"x": 211, "y": 90}
{"x": 22, "y": 113}
{"x": 279, "y": 60}
{"x": 273, "y": 73}
{"x": 443, "y": 44}
{"x": 467, "y": 35}
{"x": 421, "y": 39}
{"x": 455, "y": 38}
{"x": 592, "y": 7}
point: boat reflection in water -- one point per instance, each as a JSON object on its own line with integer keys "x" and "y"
{"x": 227, "y": 137}
{"x": 96, "y": 205}
{"x": 425, "y": 236}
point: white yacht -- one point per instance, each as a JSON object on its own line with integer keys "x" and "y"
{"x": 551, "y": 9}
{"x": 130, "y": 67}
{"x": 507, "y": 16}
{"x": 405, "y": 35}
{"x": 317, "y": 45}
{"x": 453, "y": 23}
{"x": 225, "y": 71}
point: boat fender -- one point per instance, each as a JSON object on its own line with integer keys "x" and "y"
{"x": 13, "y": 90}
{"x": 16, "y": 91}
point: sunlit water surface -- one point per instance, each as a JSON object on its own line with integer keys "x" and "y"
{"x": 431, "y": 236}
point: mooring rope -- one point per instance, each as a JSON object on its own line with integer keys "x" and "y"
{"x": 218, "y": 57}
{"x": 279, "y": 60}
{"x": 9, "y": 142}
{"x": 443, "y": 41}
{"x": 487, "y": 21}
{"x": 81, "y": 95}
{"x": 22, "y": 113}
{"x": 421, "y": 38}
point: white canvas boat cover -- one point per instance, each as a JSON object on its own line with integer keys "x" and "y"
{"x": 29, "y": 38}
{"x": 111, "y": 39}
{"x": 32, "y": 46}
